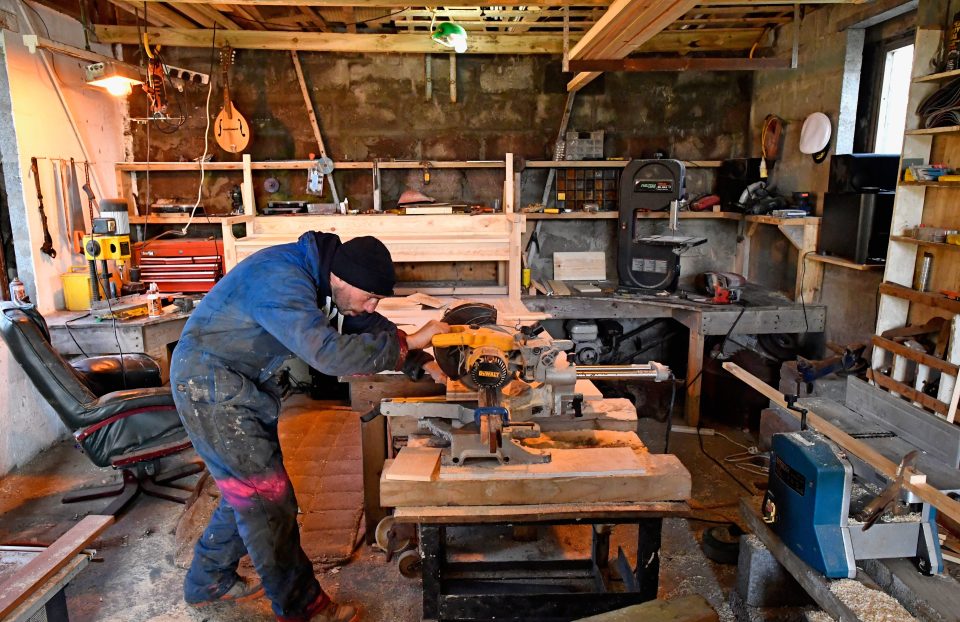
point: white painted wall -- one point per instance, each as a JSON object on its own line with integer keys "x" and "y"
{"x": 34, "y": 123}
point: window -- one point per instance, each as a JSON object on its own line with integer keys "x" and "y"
{"x": 892, "y": 112}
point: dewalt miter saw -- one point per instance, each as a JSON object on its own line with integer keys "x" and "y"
{"x": 520, "y": 378}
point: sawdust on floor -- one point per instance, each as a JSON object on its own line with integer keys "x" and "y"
{"x": 868, "y": 604}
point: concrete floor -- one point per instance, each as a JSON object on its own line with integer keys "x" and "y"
{"x": 137, "y": 579}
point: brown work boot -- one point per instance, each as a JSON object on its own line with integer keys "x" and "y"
{"x": 240, "y": 591}
{"x": 322, "y": 609}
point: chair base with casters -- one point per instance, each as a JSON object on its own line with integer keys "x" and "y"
{"x": 139, "y": 476}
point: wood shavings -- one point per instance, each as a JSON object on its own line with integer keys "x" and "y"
{"x": 868, "y": 604}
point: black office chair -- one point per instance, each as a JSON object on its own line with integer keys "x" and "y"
{"x": 119, "y": 413}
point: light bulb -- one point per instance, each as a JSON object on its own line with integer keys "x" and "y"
{"x": 459, "y": 45}
{"x": 119, "y": 88}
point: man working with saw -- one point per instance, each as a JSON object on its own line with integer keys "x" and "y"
{"x": 316, "y": 299}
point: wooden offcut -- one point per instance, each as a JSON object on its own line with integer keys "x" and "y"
{"x": 416, "y": 464}
{"x": 14, "y": 591}
{"x": 594, "y": 475}
{"x": 579, "y": 266}
{"x": 691, "y": 608}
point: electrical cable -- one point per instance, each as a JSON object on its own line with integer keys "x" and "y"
{"x": 69, "y": 332}
{"x": 803, "y": 305}
{"x": 116, "y": 333}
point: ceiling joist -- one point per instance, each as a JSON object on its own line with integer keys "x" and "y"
{"x": 668, "y": 42}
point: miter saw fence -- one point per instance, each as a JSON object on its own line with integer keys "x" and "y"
{"x": 519, "y": 377}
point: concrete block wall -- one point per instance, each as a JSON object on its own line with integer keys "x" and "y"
{"x": 33, "y": 123}
{"x": 816, "y": 86}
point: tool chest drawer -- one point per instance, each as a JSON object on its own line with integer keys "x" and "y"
{"x": 180, "y": 265}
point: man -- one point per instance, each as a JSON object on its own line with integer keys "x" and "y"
{"x": 316, "y": 299}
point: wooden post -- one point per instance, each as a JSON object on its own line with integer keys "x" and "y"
{"x": 694, "y": 376}
{"x": 246, "y": 189}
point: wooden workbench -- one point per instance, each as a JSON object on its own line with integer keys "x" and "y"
{"x": 79, "y": 333}
{"x": 766, "y": 312}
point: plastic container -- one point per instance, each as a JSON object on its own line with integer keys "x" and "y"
{"x": 76, "y": 288}
{"x": 154, "y": 304}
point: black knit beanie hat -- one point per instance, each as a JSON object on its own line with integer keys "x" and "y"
{"x": 365, "y": 263}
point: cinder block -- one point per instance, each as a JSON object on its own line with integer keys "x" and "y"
{"x": 762, "y": 581}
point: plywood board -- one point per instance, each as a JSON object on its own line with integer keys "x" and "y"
{"x": 602, "y": 475}
{"x": 579, "y": 266}
{"x": 416, "y": 464}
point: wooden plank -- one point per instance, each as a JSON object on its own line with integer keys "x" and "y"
{"x": 14, "y": 591}
{"x": 408, "y": 43}
{"x": 573, "y": 475}
{"x": 930, "y": 299}
{"x": 693, "y": 608}
{"x": 679, "y": 64}
{"x": 895, "y": 386}
{"x": 916, "y": 356}
{"x": 415, "y": 464}
{"x": 858, "y": 448}
{"x": 813, "y": 583}
{"x": 424, "y": 3}
{"x": 538, "y": 512}
{"x": 559, "y": 288}
{"x": 579, "y": 266}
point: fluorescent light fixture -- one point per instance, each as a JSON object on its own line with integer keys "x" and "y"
{"x": 115, "y": 78}
{"x": 451, "y": 35}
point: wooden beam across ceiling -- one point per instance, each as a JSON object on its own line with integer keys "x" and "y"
{"x": 674, "y": 41}
{"x": 680, "y": 64}
{"x": 625, "y": 26}
{"x": 397, "y": 4}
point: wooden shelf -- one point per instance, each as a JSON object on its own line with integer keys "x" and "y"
{"x": 573, "y": 216}
{"x": 934, "y": 130}
{"x": 438, "y": 165}
{"x": 932, "y": 184}
{"x": 176, "y": 219}
{"x": 641, "y": 216}
{"x": 773, "y": 220}
{"x": 924, "y": 243}
{"x": 930, "y": 299}
{"x": 934, "y": 77}
{"x": 844, "y": 263}
{"x": 611, "y": 163}
{"x": 235, "y": 166}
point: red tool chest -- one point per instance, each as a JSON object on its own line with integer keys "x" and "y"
{"x": 180, "y": 265}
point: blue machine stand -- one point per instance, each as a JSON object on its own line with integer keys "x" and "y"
{"x": 813, "y": 497}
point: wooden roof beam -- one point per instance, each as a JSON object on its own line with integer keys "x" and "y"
{"x": 678, "y": 42}
{"x": 625, "y": 26}
{"x": 157, "y": 14}
{"x": 400, "y": 4}
{"x": 680, "y": 64}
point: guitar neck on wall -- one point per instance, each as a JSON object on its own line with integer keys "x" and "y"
{"x": 230, "y": 128}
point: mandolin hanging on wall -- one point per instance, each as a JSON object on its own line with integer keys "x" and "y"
{"x": 230, "y": 128}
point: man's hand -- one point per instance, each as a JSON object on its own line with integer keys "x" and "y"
{"x": 421, "y": 339}
{"x": 435, "y": 372}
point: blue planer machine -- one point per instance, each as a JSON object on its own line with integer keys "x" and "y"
{"x": 832, "y": 509}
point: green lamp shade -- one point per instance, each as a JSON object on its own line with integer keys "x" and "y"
{"x": 451, "y": 35}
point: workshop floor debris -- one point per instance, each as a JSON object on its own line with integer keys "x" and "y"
{"x": 139, "y": 579}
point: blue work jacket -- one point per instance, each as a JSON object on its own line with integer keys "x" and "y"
{"x": 275, "y": 304}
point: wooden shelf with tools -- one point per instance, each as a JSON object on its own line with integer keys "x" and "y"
{"x": 902, "y": 306}
{"x": 803, "y": 234}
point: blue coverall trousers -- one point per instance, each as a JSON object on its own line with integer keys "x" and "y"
{"x": 233, "y": 425}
